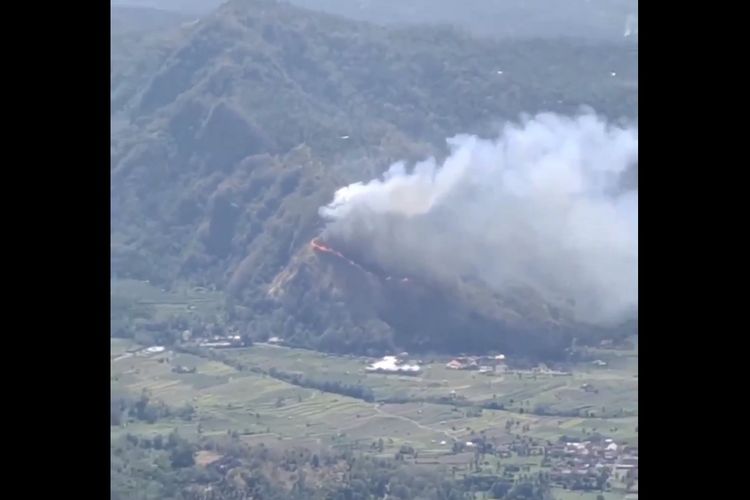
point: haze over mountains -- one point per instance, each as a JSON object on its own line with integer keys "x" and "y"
{"x": 233, "y": 131}
{"x": 592, "y": 19}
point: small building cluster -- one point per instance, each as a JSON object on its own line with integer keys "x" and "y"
{"x": 184, "y": 369}
{"x": 484, "y": 364}
{"x": 394, "y": 364}
{"x": 218, "y": 342}
{"x": 582, "y": 463}
{"x": 543, "y": 369}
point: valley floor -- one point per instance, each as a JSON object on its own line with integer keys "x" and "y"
{"x": 440, "y": 414}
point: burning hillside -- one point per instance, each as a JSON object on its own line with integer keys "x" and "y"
{"x": 318, "y": 246}
{"x": 322, "y": 282}
{"x": 517, "y": 245}
{"x": 542, "y": 207}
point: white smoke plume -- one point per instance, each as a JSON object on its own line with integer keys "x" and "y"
{"x": 541, "y": 206}
{"x": 631, "y": 26}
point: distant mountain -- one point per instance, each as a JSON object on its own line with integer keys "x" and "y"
{"x": 139, "y": 36}
{"x": 186, "y": 7}
{"x": 590, "y": 19}
{"x": 232, "y": 131}
{"x": 132, "y": 20}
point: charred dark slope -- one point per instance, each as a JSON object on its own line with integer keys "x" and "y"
{"x": 378, "y": 313}
{"x": 442, "y": 314}
{"x": 240, "y": 126}
{"x": 427, "y": 318}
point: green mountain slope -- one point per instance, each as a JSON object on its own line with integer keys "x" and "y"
{"x": 600, "y": 19}
{"x": 233, "y": 131}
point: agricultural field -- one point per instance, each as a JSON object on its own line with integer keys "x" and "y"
{"x": 182, "y": 300}
{"x": 563, "y": 494}
{"x": 438, "y": 415}
{"x": 604, "y": 392}
{"x": 277, "y": 413}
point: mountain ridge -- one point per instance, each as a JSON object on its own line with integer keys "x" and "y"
{"x": 250, "y": 119}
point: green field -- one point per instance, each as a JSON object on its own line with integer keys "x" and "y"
{"x": 166, "y": 303}
{"x": 233, "y": 390}
{"x": 617, "y": 387}
{"x": 563, "y": 494}
{"x": 272, "y": 411}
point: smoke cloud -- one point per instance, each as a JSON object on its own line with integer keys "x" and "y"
{"x": 542, "y": 206}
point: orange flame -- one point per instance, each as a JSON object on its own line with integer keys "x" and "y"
{"x": 319, "y": 246}
{"x": 322, "y": 247}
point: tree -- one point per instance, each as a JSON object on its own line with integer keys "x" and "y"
{"x": 499, "y": 489}
{"x": 186, "y": 412}
{"x": 182, "y": 455}
{"x": 116, "y": 413}
{"x": 149, "y": 414}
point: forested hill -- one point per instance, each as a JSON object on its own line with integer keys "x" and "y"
{"x": 590, "y": 19}
{"x": 233, "y": 130}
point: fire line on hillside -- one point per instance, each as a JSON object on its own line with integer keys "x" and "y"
{"x": 321, "y": 247}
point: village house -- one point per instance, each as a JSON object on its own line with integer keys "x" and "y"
{"x": 392, "y": 364}
{"x": 183, "y": 369}
{"x": 224, "y": 342}
{"x": 463, "y": 363}
{"x": 536, "y": 450}
{"x": 485, "y": 364}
